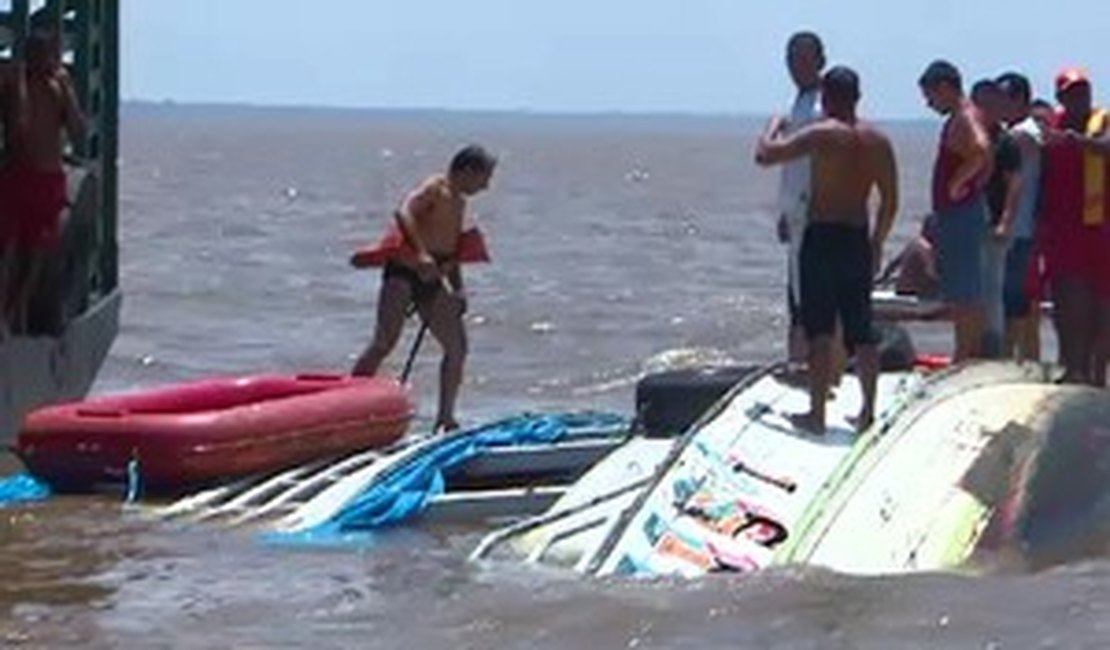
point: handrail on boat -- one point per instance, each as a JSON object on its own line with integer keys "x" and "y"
{"x": 519, "y": 528}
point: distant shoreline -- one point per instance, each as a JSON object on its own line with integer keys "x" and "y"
{"x": 230, "y": 109}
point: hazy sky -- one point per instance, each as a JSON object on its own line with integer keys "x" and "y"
{"x": 584, "y": 55}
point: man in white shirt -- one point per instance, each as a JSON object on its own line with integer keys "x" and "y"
{"x": 805, "y": 59}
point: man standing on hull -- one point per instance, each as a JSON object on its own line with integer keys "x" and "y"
{"x": 805, "y": 59}
{"x": 840, "y": 251}
{"x": 959, "y": 177}
{"x": 1076, "y": 228}
{"x": 1022, "y": 340}
{"x": 1003, "y": 190}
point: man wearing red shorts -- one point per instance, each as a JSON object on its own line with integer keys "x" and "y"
{"x": 39, "y": 102}
{"x": 1076, "y": 228}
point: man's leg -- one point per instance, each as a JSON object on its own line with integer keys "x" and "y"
{"x": 817, "y": 307}
{"x": 993, "y": 277}
{"x": 1101, "y": 353}
{"x": 24, "y": 273}
{"x": 1020, "y": 309}
{"x": 968, "y": 325}
{"x": 796, "y": 346}
{"x": 444, "y": 316}
{"x": 838, "y": 356}
{"x": 1063, "y": 321}
{"x": 7, "y": 287}
{"x": 820, "y": 367}
{"x": 1081, "y": 325}
{"x": 393, "y": 300}
{"x": 867, "y": 364}
{"x": 32, "y": 285}
{"x": 1031, "y": 334}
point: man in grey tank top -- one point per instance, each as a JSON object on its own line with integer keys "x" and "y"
{"x": 1022, "y": 311}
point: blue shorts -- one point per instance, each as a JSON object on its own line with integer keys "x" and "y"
{"x": 960, "y": 232}
{"x": 1015, "y": 296}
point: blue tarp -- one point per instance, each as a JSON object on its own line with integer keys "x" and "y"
{"x": 406, "y": 491}
{"x": 22, "y": 488}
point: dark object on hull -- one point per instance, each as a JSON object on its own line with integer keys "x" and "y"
{"x": 896, "y": 351}
{"x": 669, "y": 402}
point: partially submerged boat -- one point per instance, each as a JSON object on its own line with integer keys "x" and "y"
{"x": 958, "y": 461}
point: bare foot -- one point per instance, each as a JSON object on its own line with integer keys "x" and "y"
{"x": 446, "y": 425}
{"x": 862, "y": 422}
{"x": 807, "y": 422}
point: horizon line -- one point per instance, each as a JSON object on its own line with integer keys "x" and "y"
{"x": 169, "y": 103}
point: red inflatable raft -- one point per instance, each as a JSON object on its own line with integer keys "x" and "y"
{"x": 203, "y": 432}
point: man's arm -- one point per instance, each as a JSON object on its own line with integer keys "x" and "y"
{"x": 886, "y": 181}
{"x": 17, "y": 117}
{"x": 774, "y": 147}
{"x": 71, "y": 108}
{"x": 969, "y": 139}
{"x": 1024, "y": 149}
{"x": 1098, "y": 144}
{"x": 419, "y": 202}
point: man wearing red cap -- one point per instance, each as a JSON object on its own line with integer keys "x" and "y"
{"x": 1075, "y": 231}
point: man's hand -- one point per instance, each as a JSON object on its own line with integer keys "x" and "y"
{"x": 62, "y": 76}
{"x": 782, "y": 229}
{"x": 1002, "y": 231}
{"x": 957, "y": 191}
{"x": 777, "y": 125}
{"x": 876, "y": 257}
{"x": 1057, "y": 136}
{"x": 427, "y": 269}
{"x": 460, "y": 301}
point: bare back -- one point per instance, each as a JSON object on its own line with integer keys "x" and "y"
{"x": 850, "y": 159}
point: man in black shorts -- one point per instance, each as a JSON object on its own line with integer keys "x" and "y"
{"x": 841, "y": 251}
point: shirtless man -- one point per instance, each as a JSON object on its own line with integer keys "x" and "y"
{"x": 431, "y": 219}
{"x": 959, "y": 178}
{"x": 841, "y": 251}
{"x": 39, "y": 104}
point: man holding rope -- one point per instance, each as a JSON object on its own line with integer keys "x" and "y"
{"x": 428, "y": 274}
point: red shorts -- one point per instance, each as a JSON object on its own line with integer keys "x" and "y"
{"x": 31, "y": 204}
{"x": 1080, "y": 253}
